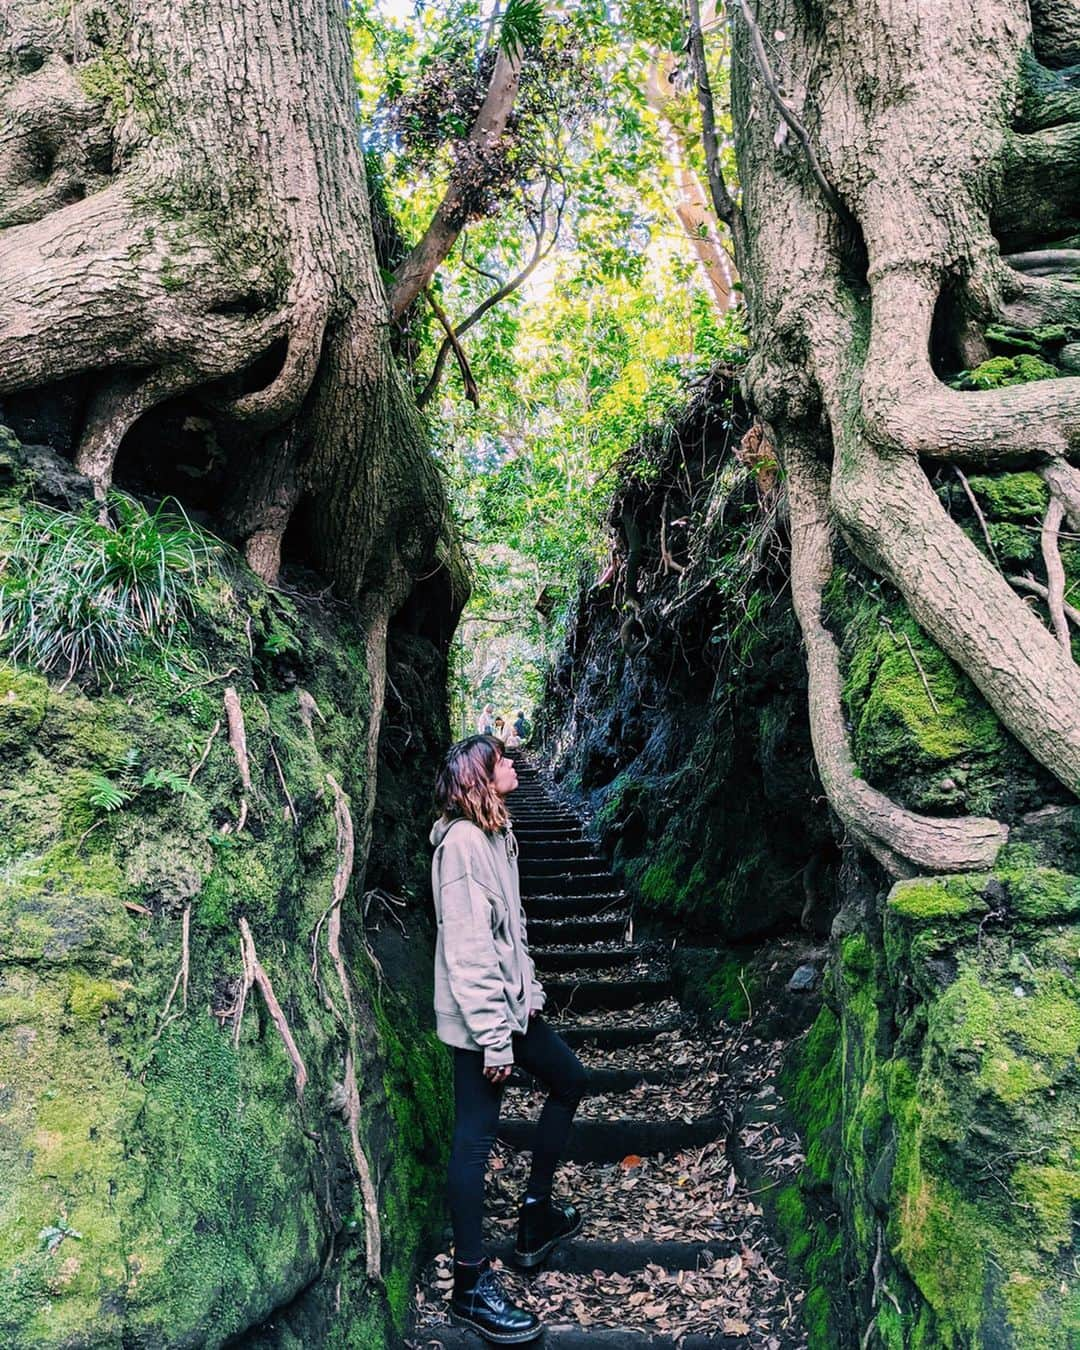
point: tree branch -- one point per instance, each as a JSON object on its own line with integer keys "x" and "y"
{"x": 722, "y": 200}
{"x": 507, "y": 288}
{"x": 415, "y": 271}
{"x": 472, "y": 393}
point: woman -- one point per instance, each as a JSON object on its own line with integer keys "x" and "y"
{"x": 487, "y": 1007}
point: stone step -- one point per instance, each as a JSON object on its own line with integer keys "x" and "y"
{"x": 605, "y": 1141}
{"x": 569, "y": 1336}
{"x": 531, "y": 866}
{"x": 607, "y": 1081}
{"x": 574, "y": 887}
{"x": 559, "y": 932}
{"x": 593, "y": 995}
{"x": 586, "y": 958}
{"x": 616, "y": 1037}
{"x": 570, "y": 906}
{"x": 551, "y": 839}
{"x": 552, "y": 851}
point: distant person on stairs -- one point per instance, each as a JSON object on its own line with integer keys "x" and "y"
{"x": 487, "y": 1007}
{"x": 485, "y": 723}
{"x": 521, "y": 725}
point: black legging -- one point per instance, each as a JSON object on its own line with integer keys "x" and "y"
{"x": 476, "y": 1116}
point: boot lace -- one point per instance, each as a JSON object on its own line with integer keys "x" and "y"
{"x": 489, "y": 1286}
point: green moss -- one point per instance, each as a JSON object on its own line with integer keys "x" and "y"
{"x": 1000, "y": 371}
{"x": 1012, "y": 543}
{"x": 899, "y": 722}
{"x": 1040, "y": 894}
{"x": 927, "y": 899}
{"x": 204, "y": 1195}
{"x": 23, "y": 697}
{"x": 1053, "y": 1193}
{"x": 88, "y": 998}
{"x": 728, "y": 991}
{"x": 1012, "y": 496}
{"x": 812, "y": 1090}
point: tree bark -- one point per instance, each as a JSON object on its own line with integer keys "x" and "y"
{"x": 925, "y": 121}
{"x": 185, "y": 211}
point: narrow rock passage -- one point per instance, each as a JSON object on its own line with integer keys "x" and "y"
{"x": 673, "y": 1252}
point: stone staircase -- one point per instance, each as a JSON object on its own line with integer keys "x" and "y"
{"x": 611, "y": 999}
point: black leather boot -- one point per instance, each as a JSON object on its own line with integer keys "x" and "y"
{"x": 480, "y": 1302}
{"x": 541, "y": 1226}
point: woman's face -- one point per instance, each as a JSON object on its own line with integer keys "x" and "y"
{"x": 505, "y": 776}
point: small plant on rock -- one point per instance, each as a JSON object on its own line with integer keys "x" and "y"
{"x": 82, "y": 593}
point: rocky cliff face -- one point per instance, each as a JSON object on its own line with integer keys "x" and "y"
{"x": 199, "y": 1052}
{"x": 937, "y": 1088}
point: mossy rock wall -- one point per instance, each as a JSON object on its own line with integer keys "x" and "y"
{"x": 161, "y": 1182}
{"x": 682, "y": 724}
{"x": 939, "y": 1093}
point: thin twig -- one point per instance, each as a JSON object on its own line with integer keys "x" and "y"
{"x": 746, "y": 995}
{"x": 788, "y": 113}
{"x": 978, "y": 513}
{"x": 233, "y": 670}
{"x": 915, "y": 662}
{"x": 284, "y": 785}
{"x": 181, "y": 981}
{"x": 206, "y": 751}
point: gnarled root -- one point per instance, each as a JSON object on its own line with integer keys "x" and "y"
{"x": 238, "y": 740}
{"x": 254, "y": 974}
{"x": 350, "y": 1107}
{"x": 902, "y": 841}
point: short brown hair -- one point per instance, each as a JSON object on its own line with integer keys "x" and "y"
{"x": 465, "y": 783}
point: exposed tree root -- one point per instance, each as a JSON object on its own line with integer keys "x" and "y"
{"x": 902, "y": 841}
{"x": 308, "y": 709}
{"x": 181, "y": 981}
{"x": 206, "y": 751}
{"x": 349, "y": 1102}
{"x": 1055, "y": 571}
{"x": 1063, "y": 480}
{"x": 114, "y": 410}
{"x": 238, "y": 740}
{"x": 254, "y": 974}
{"x": 1037, "y": 588}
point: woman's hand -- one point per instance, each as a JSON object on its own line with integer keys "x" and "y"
{"x": 498, "y": 1073}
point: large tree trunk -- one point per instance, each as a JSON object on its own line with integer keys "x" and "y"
{"x": 938, "y": 133}
{"x": 185, "y": 212}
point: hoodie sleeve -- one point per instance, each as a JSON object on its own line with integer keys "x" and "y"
{"x": 476, "y": 981}
{"x": 537, "y": 997}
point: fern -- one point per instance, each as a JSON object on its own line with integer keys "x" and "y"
{"x": 106, "y": 794}
{"x": 167, "y": 780}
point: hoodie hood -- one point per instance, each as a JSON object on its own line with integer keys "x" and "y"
{"x": 439, "y": 829}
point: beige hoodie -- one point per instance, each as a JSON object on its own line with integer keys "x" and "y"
{"x": 485, "y": 981}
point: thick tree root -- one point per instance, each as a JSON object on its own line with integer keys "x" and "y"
{"x": 902, "y": 841}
